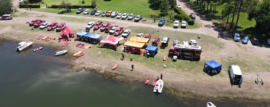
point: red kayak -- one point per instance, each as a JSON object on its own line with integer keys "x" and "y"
{"x": 147, "y": 81}
{"x": 154, "y": 83}
{"x": 164, "y": 57}
{"x": 37, "y": 49}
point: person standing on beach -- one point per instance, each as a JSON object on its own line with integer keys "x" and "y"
{"x": 30, "y": 8}
{"x": 157, "y": 77}
{"x": 161, "y": 75}
{"x": 122, "y": 57}
{"x": 132, "y": 67}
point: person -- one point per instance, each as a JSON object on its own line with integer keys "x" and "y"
{"x": 30, "y": 8}
{"x": 122, "y": 56}
{"x": 130, "y": 59}
{"x": 161, "y": 75}
{"x": 157, "y": 77}
{"x": 132, "y": 67}
{"x": 154, "y": 20}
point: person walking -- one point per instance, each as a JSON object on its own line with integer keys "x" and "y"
{"x": 161, "y": 75}
{"x": 132, "y": 67}
{"x": 157, "y": 77}
{"x": 122, "y": 56}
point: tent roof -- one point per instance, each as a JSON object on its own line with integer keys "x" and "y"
{"x": 112, "y": 40}
{"x": 213, "y": 64}
{"x": 134, "y": 44}
{"x": 95, "y": 36}
{"x": 151, "y": 48}
{"x": 81, "y": 33}
{"x": 139, "y": 39}
{"x": 87, "y": 35}
{"x": 66, "y": 31}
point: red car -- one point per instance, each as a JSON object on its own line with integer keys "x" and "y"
{"x": 155, "y": 41}
{"x": 38, "y": 23}
{"x": 33, "y": 22}
{"x": 6, "y": 17}
{"x": 107, "y": 29}
{"x": 103, "y": 27}
{"x": 97, "y": 25}
{"x": 60, "y": 27}
{"x": 148, "y": 35}
{"x": 119, "y": 31}
{"x": 52, "y": 26}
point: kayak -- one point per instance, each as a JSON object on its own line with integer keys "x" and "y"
{"x": 210, "y": 104}
{"x": 147, "y": 81}
{"x": 115, "y": 66}
{"x": 164, "y": 58}
{"x": 78, "y": 54}
{"x": 154, "y": 83}
{"x": 38, "y": 48}
{"x": 60, "y": 52}
{"x": 159, "y": 86}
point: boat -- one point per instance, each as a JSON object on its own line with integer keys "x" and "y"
{"x": 38, "y": 48}
{"x": 210, "y": 104}
{"x": 164, "y": 58}
{"x": 78, "y": 54}
{"x": 62, "y": 52}
{"x": 24, "y": 45}
{"x": 159, "y": 86}
{"x": 147, "y": 81}
{"x": 115, "y": 66}
{"x": 154, "y": 83}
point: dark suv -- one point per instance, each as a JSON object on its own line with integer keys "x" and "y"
{"x": 254, "y": 41}
{"x": 93, "y": 12}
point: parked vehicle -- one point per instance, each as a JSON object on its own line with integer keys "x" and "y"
{"x": 93, "y": 12}
{"x": 192, "y": 15}
{"x": 98, "y": 25}
{"x": 148, "y": 35}
{"x": 107, "y": 29}
{"x": 114, "y": 14}
{"x": 109, "y": 13}
{"x": 165, "y": 41}
{"x": 176, "y": 24}
{"x": 103, "y": 27}
{"x": 236, "y": 37}
{"x": 86, "y": 11}
{"x": 140, "y": 35}
{"x": 245, "y": 40}
{"x": 119, "y": 15}
{"x": 90, "y": 25}
{"x": 185, "y": 51}
{"x": 97, "y": 13}
{"x": 113, "y": 30}
{"x": 62, "y": 52}
{"x": 126, "y": 33}
{"x": 138, "y": 18}
{"x": 184, "y": 24}
{"x": 210, "y": 104}
{"x": 79, "y": 10}
{"x": 158, "y": 86}
{"x": 6, "y": 17}
{"x": 124, "y": 16}
{"x": 235, "y": 74}
{"x": 155, "y": 41}
{"x": 60, "y": 27}
{"x": 23, "y": 45}
{"x": 20, "y": 1}
{"x": 161, "y": 22}
{"x": 193, "y": 43}
{"x": 33, "y": 22}
{"x": 179, "y": 6}
{"x": 103, "y": 14}
{"x": 255, "y": 41}
{"x": 38, "y": 23}
{"x": 268, "y": 41}
{"x": 52, "y": 26}
{"x": 131, "y": 16}
{"x": 44, "y": 25}
{"x": 119, "y": 31}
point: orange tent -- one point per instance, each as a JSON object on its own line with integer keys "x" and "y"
{"x": 134, "y": 44}
{"x": 139, "y": 39}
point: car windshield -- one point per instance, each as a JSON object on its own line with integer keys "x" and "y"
{"x": 86, "y": 10}
{"x": 104, "y": 25}
{"x": 146, "y": 36}
{"x": 183, "y": 22}
{"x": 246, "y": 38}
{"x": 59, "y": 26}
{"x": 125, "y": 32}
{"x": 50, "y": 25}
{"x": 175, "y": 22}
{"x": 117, "y": 30}
{"x": 88, "y": 24}
{"x": 97, "y": 24}
{"x": 237, "y": 35}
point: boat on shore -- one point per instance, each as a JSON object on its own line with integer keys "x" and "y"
{"x": 154, "y": 83}
{"x": 158, "y": 87}
{"x": 210, "y": 104}
{"x": 37, "y": 49}
{"x": 23, "y": 45}
{"x": 62, "y": 52}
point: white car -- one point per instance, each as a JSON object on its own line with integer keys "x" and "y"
{"x": 176, "y": 24}
{"x": 113, "y": 30}
{"x": 179, "y": 6}
{"x": 119, "y": 15}
{"x": 20, "y": 1}
{"x": 193, "y": 43}
{"x": 184, "y": 24}
{"x": 124, "y": 16}
{"x": 44, "y": 25}
{"x": 131, "y": 16}
{"x": 126, "y": 33}
{"x": 103, "y": 14}
{"x": 90, "y": 25}
{"x": 140, "y": 35}
{"x": 86, "y": 11}
{"x": 97, "y": 13}
{"x": 114, "y": 14}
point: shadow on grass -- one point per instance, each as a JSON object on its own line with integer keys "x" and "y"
{"x": 202, "y": 13}
{"x": 154, "y": 6}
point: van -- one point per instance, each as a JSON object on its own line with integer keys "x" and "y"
{"x": 235, "y": 74}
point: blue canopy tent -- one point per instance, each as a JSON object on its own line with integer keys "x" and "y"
{"x": 96, "y": 38}
{"x": 81, "y": 33}
{"x": 151, "y": 51}
{"x": 212, "y": 66}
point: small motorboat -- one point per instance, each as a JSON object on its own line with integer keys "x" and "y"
{"x": 159, "y": 86}
{"x": 164, "y": 57}
{"x": 147, "y": 81}
{"x": 115, "y": 66}
{"x": 154, "y": 83}
{"x": 62, "y": 52}
{"x": 210, "y": 104}
{"x": 24, "y": 45}
{"x": 38, "y": 48}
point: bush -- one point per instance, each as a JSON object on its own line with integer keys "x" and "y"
{"x": 29, "y": 5}
{"x": 83, "y": 2}
{"x": 74, "y": 6}
{"x": 178, "y": 17}
{"x": 191, "y": 21}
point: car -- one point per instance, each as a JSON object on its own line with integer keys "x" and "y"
{"x": 126, "y": 33}
{"x": 103, "y": 27}
{"x": 236, "y": 37}
{"x": 131, "y": 16}
{"x": 119, "y": 15}
{"x": 52, "y": 26}
{"x": 20, "y": 1}
{"x": 179, "y": 6}
{"x": 138, "y": 18}
{"x": 119, "y": 31}
{"x": 140, "y": 35}
{"x": 79, "y": 10}
{"x": 103, "y": 14}
{"x": 124, "y": 16}
{"x": 93, "y": 12}
{"x": 193, "y": 43}
{"x": 90, "y": 25}
{"x": 6, "y": 17}
{"x": 33, "y": 22}
{"x": 254, "y": 41}
{"x": 44, "y": 25}
{"x": 165, "y": 41}
{"x": 192, "y": 16}
{"x": 113, "y": 29}
{"x": 245, "y": 40}
{"x": 107, "y": 29}
{"x": 109, "y": 13}
{"x": 148, "y": 35}
{"x": 86, "y": 11}
{"x": 176, "y": 24}
{"x": 268, "y": 41}
{"x": 161, "y": 22}
{"x": 60, "y": 27}
{"x": 98, "y": 25}
{"x": 38, "y": 23}
{"x": 114, "y": 14}
{"x": 97, "y": 13}
{"x": 155, "y": 41}
{"x": 183, "y": 24}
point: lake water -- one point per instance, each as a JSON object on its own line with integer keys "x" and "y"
{"x": 38, "y": 79}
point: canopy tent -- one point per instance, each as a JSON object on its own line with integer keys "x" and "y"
{"x": 111, "y": 40}
{"x": 67, "y": 33}
{"x": 134, "y": 44}
{"x": 151, "y": 51}
{"x": 81, "y": 33}
{"x": 96, "y": 36}
{"x": 212, "y": 66}
{"x": 88, "y": 35}
{"x": 139, "y": 39}
{"x": 93, "y": 38}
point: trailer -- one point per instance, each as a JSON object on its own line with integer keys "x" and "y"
{"x": 185, "y": 51}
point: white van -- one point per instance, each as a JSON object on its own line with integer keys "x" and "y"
{"x": 236, "y": 74}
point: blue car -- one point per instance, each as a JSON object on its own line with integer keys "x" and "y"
{"x": 245, "y": 40}
{"x": 161, "y": 22}
{"x": 236, "y": 37}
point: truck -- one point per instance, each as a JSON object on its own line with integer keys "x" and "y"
{"x": 60, "y": 27}
{"x": 235, "y": 75}
{"x": 185, "y": 51}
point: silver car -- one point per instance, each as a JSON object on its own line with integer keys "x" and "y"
{"x": 131, "y": 16}
{"x": 97, "y": 13}
{"x": 124, "y": 16}
{"x": 119, "y": 15}
{"x": 140, "y": 35}
{"x": 103, "y": 14}
{"x": 44, "y": 25}
{"x": 113, "y": 30}
{"x": 114, "y": 14}
{"x": 126, "y": 33}
{"x": 86, "y": 12}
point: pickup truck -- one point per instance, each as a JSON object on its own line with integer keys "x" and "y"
{"x": 98, "y": 25}
{"x": 52, "y": 26}
{"x": 103, "y": 27}
{"x": 119, "y": 31}
{"x": 38, "y": 23}
{"x": 107, "y": 29}
{"x": 60, "y": 27}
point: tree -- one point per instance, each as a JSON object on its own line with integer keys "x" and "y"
{"x": 6, "y": 6}
{"x": 66, "y": 5}
{"x": 238, "y": 14}
{"x": 249, "y": 4}
{"x": 235, "y": 4}
{"x": 227, "y": 10}
{"x": 164, "y": 7}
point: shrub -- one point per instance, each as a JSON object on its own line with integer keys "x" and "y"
{"x": 178, "y": 17}
{"x": 74, "y": 6}
{"x": 29, "y": 5}
{"x": 83, "y": 2}
{"x": 191, "y": 21}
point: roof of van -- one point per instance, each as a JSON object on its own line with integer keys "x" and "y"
{"x": 236, "y": 70}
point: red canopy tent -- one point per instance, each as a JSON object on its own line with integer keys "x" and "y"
{"x": 67, "y": 33}
{"x": 111, "y": 40}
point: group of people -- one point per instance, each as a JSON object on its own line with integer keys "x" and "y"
{"x": 161, "y": 75}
